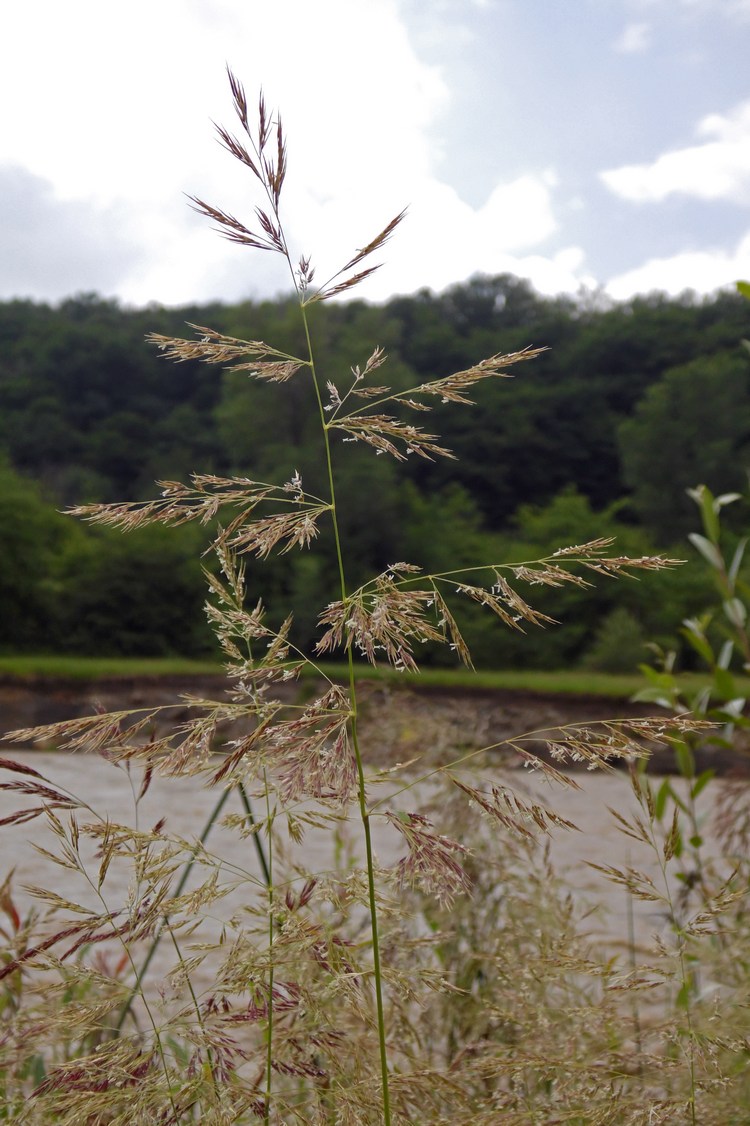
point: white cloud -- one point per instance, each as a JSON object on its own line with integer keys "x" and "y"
{"x": 562, "y": 273}
{"x": 125, "y": 107}
{"x": 444, "y": 240}
{"x": 119, "y": 125}
{"x": 718, "y": 169}
{"x": 700, "y": 270}
{"x": 52, "y": 248}
{"x": 634, "y": 40}
{"x": 121, "y": 119}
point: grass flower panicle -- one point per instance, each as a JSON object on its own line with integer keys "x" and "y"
{"x": 447, "y": 985}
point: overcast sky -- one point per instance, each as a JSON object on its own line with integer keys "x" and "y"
{"x": 578, "y": 143}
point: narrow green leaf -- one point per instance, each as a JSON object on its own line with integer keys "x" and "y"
{"x": 726, "y": 498}
{"x": 708, "y": 550}
{"x": 736, "y": 612}
{"x": 724, "y": 684}
{"x": 695, "y": 637}
{"x": 701, "y": 782}
{"x": 656, "y": 677}
{"x": 685, "y": 760}
{"x": 662, "y": 796}
{"x": 704, "y": 498}
{"x": 656, "y": 696}
{"x": 732, "y": 709}
{"x": 720, "y": 740}
{"x": 701, "y": 700}
{"x": 682, "y": 1000}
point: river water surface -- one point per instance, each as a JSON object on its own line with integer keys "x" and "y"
{"x": 185, "y": 806}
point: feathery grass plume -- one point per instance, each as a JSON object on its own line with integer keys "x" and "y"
{"x": 367, "y": 991}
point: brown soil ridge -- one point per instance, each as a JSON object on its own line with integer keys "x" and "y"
{"x": 398, "y": 722}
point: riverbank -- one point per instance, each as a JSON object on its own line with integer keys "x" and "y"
{"x": 400, "y": 718}
{"x": 57, "y": 667}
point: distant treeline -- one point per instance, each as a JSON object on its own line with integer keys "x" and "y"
{"x": 601, "y": 435}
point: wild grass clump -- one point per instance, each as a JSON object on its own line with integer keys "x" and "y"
{"x": 445, "y": 975}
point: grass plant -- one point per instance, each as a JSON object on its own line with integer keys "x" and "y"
{"x": 452, "y": 984}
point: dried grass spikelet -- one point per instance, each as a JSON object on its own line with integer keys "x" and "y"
{"x": 202, "y": 500}
{"x": 452, "y": 388}
{"x": 381, "y": 619}
{"x": 389, "y": 615}
{"x": 34, "y": 785}
{"x": 239, "y": 629}
{"x": 504, "y": 806}
{"x": 449, "y": 388}
{"x": 100, "y": 733}
{"x": 213, "y": 347}
{"x": 432, "y": 861}
{"x": 505, "y": 603}
{"x": 269, "y": 168}
{"x": 596, "y": 744}
{"x": 591, "y": 555}
{"x": 263, "y": 151}
{"x": 332, "y": 288}
{"x": 382, "y": 431}
{"x": 548, "y": 574}
{"x": 312, "y": 752}
{"x": 120, "y": 1067}
{"x": 293, "y": 529}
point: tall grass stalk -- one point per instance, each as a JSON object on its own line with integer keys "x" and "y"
{"x": 319, "y": 998}
{"x": 271, "y": 925}
{"x": 361, "y": 782}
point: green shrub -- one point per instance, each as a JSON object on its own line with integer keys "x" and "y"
{"x": 618, "y": 645}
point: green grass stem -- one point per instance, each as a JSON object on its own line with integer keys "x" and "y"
{"x": 361, "y": 783}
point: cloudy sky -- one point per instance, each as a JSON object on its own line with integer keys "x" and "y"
{"x": 578, "y": 143}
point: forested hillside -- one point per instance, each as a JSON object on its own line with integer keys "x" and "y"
{"x": 600, "y": 435}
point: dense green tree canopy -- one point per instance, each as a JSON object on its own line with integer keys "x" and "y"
{"x": 629, "y": 405}
{"x": 32, "y": 536}
{"x": 692, "y": 425}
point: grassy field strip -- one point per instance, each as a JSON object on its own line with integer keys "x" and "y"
{"x": 566, "y": 682}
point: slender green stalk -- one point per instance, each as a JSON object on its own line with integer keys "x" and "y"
{"x": 198, "y": 1017}
{"x": 632, "y": 960}
{"x": 269, "y": 1025}
{"x": 141, "y": 973}
{"x": 265, "y": 862}
{"x": 361, "y": 784}
{"x": 687, "y": 981}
